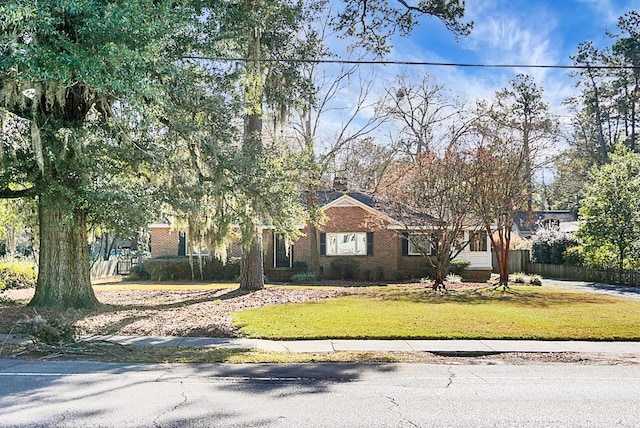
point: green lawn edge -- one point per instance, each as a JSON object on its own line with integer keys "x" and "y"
{"x": 521, "y": 313}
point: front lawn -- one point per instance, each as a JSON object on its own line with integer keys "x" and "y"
{"x": 389, "y": 313}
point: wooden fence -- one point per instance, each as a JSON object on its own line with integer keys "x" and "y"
{"x": 519, "y": 261}
{"x": 629, "y": 278}
{"x": 104, "y": 269}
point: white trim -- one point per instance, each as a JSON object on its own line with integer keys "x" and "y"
{"x": 411, "y": 243}
{"x": 160, "y": 226}
{"x": 336, "y": 247}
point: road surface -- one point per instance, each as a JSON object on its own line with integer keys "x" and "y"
{"x": 89, "y": 394}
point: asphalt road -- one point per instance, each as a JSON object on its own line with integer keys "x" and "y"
{"x": 596, "y": 288}
{"x": 86, "y": 394}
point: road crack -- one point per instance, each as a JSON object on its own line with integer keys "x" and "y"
{"x": 452, "y": 375}
{"x": 183, "y": 394}
{"x": 392, "y": 400}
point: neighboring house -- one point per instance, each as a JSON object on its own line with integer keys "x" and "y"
{"x": 356, "y": 230}
{"x": 526, "y": 223}
{"x": 166, "y": 241}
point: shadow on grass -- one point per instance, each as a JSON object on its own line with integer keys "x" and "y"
{"x": 12, "y": 313}
{"x": 491, "y": 295}
{"x": 202, "y": 297}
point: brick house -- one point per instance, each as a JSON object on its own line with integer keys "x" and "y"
{"x": 165, "y": 241}
{"x": 359, "y": 231}
{"x": 355, "y": 230}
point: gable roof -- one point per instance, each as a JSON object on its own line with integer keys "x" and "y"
{"x": 327, "y": 197}
{"x": 359, "y": 200}
{"x": 529, "y": 221}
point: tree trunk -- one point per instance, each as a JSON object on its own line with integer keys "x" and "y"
{"x": 12, "y": 238}
{"x": 63, "y": 273}
{"x": 314, "y": 250}
{"x": 501, "y": 248}
{"x": 251, "y": 266}
{"x": 502, "y": 254}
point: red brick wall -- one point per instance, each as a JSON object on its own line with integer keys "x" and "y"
{"x": 164, "y": 242}
{"x": 356, "y": 219}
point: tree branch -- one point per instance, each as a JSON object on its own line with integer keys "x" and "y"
{"x": 8, "y": 193}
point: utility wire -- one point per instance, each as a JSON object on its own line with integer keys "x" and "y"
{"x": 417, "y": 63}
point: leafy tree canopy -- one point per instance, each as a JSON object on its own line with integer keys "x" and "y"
{"x": 372, "y": 23}
{"x": 611, "y": 209}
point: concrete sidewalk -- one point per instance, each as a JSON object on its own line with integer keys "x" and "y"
{"x": 334, "y": 345}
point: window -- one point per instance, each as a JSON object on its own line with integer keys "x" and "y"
{"x": 419, "y": 244}
{"x": 478, "y": 241}
{"x": 347, "y": 244}
{"x": 459, "y": 243}
{"x": 551, "y": 224}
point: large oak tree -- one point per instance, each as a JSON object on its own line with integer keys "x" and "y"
{"x": 77, "y": 76}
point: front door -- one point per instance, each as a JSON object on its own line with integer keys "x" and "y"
{"x": 282, "y": 256}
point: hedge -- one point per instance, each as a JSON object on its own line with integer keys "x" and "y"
{"x": 179, "y": 268}
{"x": 17, "y": 274}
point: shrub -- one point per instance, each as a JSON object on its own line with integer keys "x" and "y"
{"x": 600, "y": 257}
{"x": 453, "y": 278}
{"x": 535, "y": 280}
{"x": 178, "y": 268}
{"x": 304, "y": 277}
{"x": 139, "y": 272}
{"x": 373, "y": 275}
{"x": 17, "y": 274}
{"x": 458, "y": 266}
{"x": 519, "y": 277}
{"x": 345, "y": 268}
{"x": 548, "y": 246}
{"x": 300, "y": 267}
{"x": 574, "y": 256}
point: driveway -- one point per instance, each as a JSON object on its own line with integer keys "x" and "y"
{"x": 591, "y": 287}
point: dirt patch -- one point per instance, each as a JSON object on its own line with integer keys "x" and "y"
{"x": 162, "y": 312}
{"x": 188, "y": 312}
{"x": 181, "y": 311}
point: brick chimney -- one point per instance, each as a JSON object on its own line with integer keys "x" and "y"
{"x": 339, "y": 184}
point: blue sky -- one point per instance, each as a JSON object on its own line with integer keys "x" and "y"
{"x": 511, "y": 32}
{"x": 536, "y": 32}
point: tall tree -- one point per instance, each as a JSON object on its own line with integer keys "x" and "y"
{"x": 320, "y": 154}
{"x": 521, "y": 107}
{"x": 594, "y": 109}
{"x": 500, "y": 176}
{"x": 266, "y": 34}
{"x": 626, "y": 52}
{"x": 74, "y": 72}
{"x": 422, "y": 112}
{"x": 605, "y": 112}
{"x": 610, "y": 209}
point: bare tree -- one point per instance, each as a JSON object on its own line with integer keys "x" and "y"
{"x": 499, "y": 179}
{"x": 421, "y": 112}
{"x": 432, "y": 197}
{"x": 318, "y": 152}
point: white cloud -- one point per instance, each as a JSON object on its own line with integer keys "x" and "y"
{"x": 504, "y": 36}
{"x": 608, "y": 11}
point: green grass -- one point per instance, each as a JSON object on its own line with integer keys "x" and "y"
{"x": 393, "y": 313}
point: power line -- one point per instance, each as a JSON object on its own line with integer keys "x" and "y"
{"x": 414, "y": 63}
